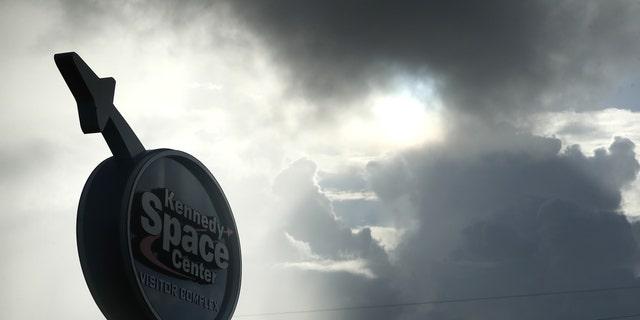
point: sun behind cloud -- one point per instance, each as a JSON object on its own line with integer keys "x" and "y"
{"x": 403, "y": 120}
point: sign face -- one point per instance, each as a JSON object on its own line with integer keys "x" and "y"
{"x": 156, "y": 236}
{"x": 182, "y": 239}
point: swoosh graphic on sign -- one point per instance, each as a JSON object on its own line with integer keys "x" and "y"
{"x": 145, "y": 248}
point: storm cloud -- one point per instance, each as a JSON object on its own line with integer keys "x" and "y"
{"x": 490, "y": 210}
{"x": 491, "y": 57}
{"x": 496, "y": 221}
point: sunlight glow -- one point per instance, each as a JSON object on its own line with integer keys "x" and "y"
{"x": 404, "y": 120}
{"x": 390, "y": 121}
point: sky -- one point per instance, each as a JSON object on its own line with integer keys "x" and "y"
{"x": 374, "y": 153}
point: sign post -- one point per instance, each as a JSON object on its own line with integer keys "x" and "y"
{"x": 156, "y": 236}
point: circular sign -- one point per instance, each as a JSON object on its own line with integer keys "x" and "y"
{"x": 156, "y": 236}
{"x": 159, "y": 242}
{"x": 182, "y": 239}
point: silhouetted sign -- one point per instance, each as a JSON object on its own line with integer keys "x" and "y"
{"x": 156, "y": 236}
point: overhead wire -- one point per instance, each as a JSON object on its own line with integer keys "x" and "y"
{"x": 628, "y": 316}
{"x": 445, "y": 301}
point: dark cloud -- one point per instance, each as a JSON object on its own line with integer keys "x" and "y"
{"x": 508, "y": 222}
{"x": 489, "y": 56}
{"x": 494, "y": 58}
{"x": 493, "y": 221}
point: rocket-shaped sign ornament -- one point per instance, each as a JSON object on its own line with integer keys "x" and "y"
{"x": 156, "y": 235}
